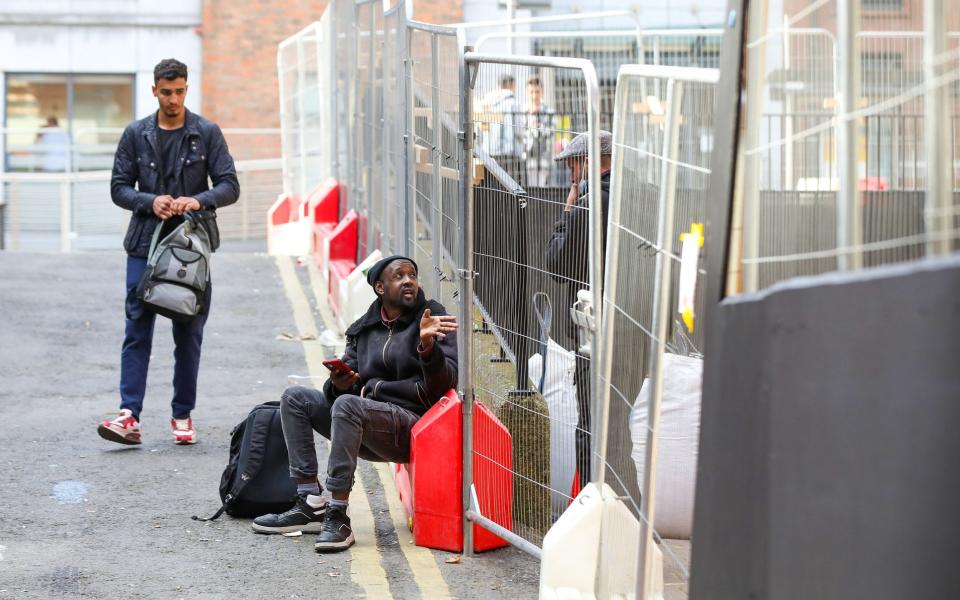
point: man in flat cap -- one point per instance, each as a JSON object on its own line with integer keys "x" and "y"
{"x": 567, "y": 261}
{"x": 400, "y": 359}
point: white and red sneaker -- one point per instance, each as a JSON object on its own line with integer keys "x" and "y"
{"x": 183, "y": 432}
{"x": 125, "y": 429}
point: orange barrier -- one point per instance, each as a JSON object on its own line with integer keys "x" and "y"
{"x": 430, "y": 484}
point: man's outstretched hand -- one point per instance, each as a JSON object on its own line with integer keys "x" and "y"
{"x": 344, "y": 381}
{"x": 435, "y": 327}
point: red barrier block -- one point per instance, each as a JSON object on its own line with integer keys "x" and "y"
{"x": 343, "y": 255}
{"x": 430, "y": 485}
{"x": 323, "y": 206}
{"x": 284, "y": 210}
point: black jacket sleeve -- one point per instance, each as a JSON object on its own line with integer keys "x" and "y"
{"x": 126, "y": 172}
{"x": 222, "y": 172}
{"x": 568, "y": 249}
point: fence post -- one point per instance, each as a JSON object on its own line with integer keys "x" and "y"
{"x": 465, "y": 332}
{"x": 848, "y": 208}
{"x": 660, "y": 322}
{"x": 65, "y": 214}
{"x": 749, "y": 199}
{"x": 436, "y": 222}
{"x": 409, "y": 139}
{"x": 937, "y": 131}
{"x": 598, "y": 226}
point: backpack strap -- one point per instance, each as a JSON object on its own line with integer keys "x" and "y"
{"x": 259, "y": 433}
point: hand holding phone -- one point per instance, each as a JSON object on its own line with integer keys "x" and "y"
{"x": 337, "y": 365}
{"x": 341, "y": 375}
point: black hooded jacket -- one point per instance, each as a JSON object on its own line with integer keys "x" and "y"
{"x": 390, "y": 367}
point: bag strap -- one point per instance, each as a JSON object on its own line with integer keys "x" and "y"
{"x": 258, "y": 444}
{"x": 544, "y": 318}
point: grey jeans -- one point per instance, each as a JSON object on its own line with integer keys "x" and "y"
{"x": 356, "y": 427}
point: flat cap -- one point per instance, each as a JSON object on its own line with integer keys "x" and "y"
{"x": 577, "y": 148}
{"x": 373, "y": 274}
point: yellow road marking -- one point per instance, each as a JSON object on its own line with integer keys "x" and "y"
{"x": 366, "y": 570}
{"x": 421, "y": 560}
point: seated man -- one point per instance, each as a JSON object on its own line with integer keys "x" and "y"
{"x": 402, "y": 357}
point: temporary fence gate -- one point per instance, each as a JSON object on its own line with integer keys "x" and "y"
{"x": 434, "y": 154}
{"x": 653, "y": 342}
{"x": 506, "y": 273}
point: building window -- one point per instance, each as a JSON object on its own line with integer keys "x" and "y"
{"x": 58, "y": 123}
{"x": 881, "y": 5}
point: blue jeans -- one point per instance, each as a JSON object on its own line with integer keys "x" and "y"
{"x": 137, "y": 344}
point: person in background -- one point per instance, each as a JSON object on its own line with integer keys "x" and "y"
{"x": 567, "y": 261}
{"x": 539, "y": 135}
{"x": 503, "y": 120}
{"x": 54, "y": 145}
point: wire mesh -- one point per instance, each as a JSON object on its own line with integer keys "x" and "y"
{"x": 837, "y": 169}
{"x": 663, "y": 141}
{"x": 608, "y": 50}
{"x": 527, "y": 357}
{"x": 393, "y": 228}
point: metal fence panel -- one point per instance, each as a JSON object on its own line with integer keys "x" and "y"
{"x": 837, "y": 142}
{"x": 609, "y": 49}
{"x": 515, "y": 284}
{"x": 662, "y": 146}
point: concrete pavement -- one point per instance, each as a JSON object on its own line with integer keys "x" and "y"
{"x": 80, "y": 517}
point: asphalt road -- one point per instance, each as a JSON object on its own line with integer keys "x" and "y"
{"x": 80, "y": 517}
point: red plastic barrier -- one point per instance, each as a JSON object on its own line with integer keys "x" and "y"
{"x": 284, "y": 210}
{"x": 430, "y": 484}
{"x": 343, "y": 255}
{"x": 324, "y": 203}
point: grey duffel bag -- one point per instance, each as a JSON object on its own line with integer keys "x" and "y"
{"x": 177, "y": 280}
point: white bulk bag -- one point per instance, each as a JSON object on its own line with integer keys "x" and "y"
{"x": 678, "y": 439}
{"x": 561, "y": 398}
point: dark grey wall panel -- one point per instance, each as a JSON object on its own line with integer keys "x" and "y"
{"x": 830, "y": 440}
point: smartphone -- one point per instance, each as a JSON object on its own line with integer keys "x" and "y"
{"x": 337, "y": 365}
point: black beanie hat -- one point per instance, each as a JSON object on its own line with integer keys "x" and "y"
{"x": 374, "y": 273}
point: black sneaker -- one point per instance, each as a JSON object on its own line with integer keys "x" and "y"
{"x": 336, "y": 534}
{"x": 306, "y": 516}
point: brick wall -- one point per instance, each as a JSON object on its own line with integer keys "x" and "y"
{"x": 438, "y": 11}
{"x": 240, "y": 39}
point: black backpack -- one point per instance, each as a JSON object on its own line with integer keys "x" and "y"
{"x": 257, "y": 480}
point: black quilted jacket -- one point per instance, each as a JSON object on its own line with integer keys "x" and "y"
{"x": 203, "y": 153}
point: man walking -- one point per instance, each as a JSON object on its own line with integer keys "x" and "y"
{"x": 401, "y": 358}
{"x": 160, "y": 172}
